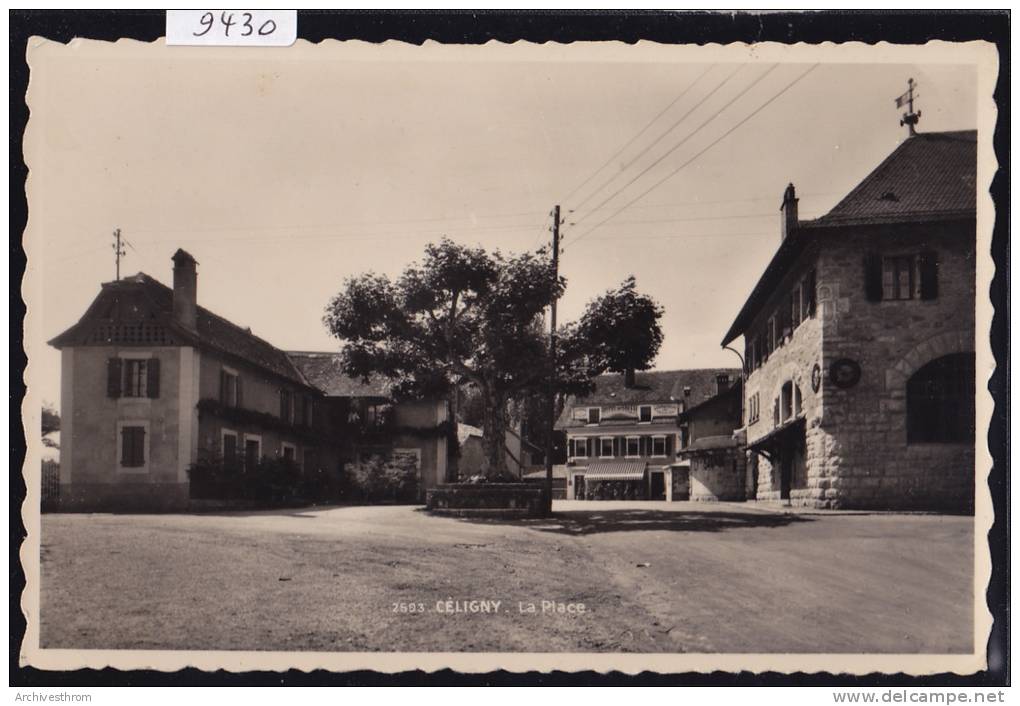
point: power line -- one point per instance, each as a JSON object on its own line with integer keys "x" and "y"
{"x": 699, "y": 202}
{"x": 641, "y": 132}
{"x": 706, "y": 149}
{"x": 339, "y": 224}
{"x": 656, "y": 140}
{"x": 691, "y": 134}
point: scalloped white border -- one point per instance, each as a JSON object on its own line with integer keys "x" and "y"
{"x": 980, "y": 54}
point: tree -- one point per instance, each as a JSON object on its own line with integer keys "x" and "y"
{"x": 463, "y": 316}
{"x": 619, "y": 332}
{"x": 50, "y": 424}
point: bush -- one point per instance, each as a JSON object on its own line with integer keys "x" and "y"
{"x": 384, "y": 480}
{"x": 271, "y": 481}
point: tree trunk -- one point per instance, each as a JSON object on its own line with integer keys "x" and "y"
{"x": 494, "y": 436}
{"x": 453, "y": 460}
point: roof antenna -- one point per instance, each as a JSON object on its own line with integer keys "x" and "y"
{"x": 909, "y": 118}
{"x": 118, "y": 250}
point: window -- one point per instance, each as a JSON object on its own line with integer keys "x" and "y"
{"x": 594, "y": 415}
{"x": 230, "y": 388}
{"x": 252, "y": 450}
{"x": 898, "y": 277}
{"x": 659, "y": 446}
{"x": 286, "y": 405}
{"x": 580, "y": 448}
{"x": 229, "y": 445}
{"x": 753, "y": 408}
{"x": 940, "y": 401}
{"x": 645, "y": 413}
{"x": 808, "y": 295}
{"x": 901, "y": 277}
{"x": 132, "y": 375}
{"x": 786, "y": 401}
{"x": 795, "y": 307}
{"x": 132, "y": 446}
{"x": 288, "y": 452}
{"x": 633, "y": 446}
{"x": 606, "y": 447}
{"x": 136, "y": 374}
{"x": 770, "y": 335}
{"x": 797, "y": 400}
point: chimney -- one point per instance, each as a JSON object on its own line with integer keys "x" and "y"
{"x": 788, "y": 212}
{"x": 185, "y": 289}
{"x": 628, "y": 377}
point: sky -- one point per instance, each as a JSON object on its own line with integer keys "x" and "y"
{"x": 283, "y": 173}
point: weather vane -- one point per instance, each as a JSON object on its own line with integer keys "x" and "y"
{"x": 909, "y": 118}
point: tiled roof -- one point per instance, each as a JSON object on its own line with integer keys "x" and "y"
{"x": 711, "y": 443}
{"x": 324, "y": 372}
{"x": 930, "y": 177}
{"x": 212, "y": 331}
{"x": 652, "y": 387}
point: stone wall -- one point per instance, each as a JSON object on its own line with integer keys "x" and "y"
{"x": 717, "y": 476}
{"x": 791, "y": 362}
{"x": 864, "y": 458}
{"x": 855, "y": 451}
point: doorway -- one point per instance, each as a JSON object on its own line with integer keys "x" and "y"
{"x": 657, "y": 486}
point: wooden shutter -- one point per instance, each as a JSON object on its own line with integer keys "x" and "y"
{"x": 152, "y": 378}
{"x": 223, "y": 387}
{"x": 237, "y": 390}
{"x": 873, "y": 277}
{"x": 929, "y": 267}
{"x": 113, "y": 377}
{"x": 811, "y": 297}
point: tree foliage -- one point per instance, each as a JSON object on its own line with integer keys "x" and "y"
{"x": 463, "y": 316}
{"x": 50, "y": 420}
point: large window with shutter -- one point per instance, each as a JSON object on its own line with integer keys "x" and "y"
{"x": 132, "y": 377}
{"x": 901, "y": 277}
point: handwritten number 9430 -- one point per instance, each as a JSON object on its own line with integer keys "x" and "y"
{"x": 227, "y": 20}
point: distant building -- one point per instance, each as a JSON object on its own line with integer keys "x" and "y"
{"x": 859, "y": 341}
{"x": 519, "y": 452}
{"x": 365, "y": 420}
{"x": 624, "y": 439}
{"x": 151, "y": 382}
{"x": 714, "y": 455}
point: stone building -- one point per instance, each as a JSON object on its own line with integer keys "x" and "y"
{"x": 625, "y": 437}
{"x": 859, "y": 341}
{"x": 713, "y": 456}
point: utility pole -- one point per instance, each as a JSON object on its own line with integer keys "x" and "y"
{"x": 118, "y": 250}
{"x": 551, "y": 402}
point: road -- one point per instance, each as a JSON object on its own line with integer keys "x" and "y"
{"x": 652, "y": 577}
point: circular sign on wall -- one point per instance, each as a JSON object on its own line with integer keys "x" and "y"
{"x": 816, "y": 377}
{"x": 844, "y": 373}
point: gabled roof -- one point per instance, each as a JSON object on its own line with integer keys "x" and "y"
{"x": 930, "y": 177}
{"x": 322, "y": 369}
{"x": 212, "y": 331}
{"x": 652, "y": 387}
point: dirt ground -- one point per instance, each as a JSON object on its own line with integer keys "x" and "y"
{"x": 653, "y": 577}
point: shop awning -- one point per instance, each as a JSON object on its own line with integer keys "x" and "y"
{"x": 615, "y": 470}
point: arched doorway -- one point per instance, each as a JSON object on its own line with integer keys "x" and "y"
{"x": 940, "y": 401}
